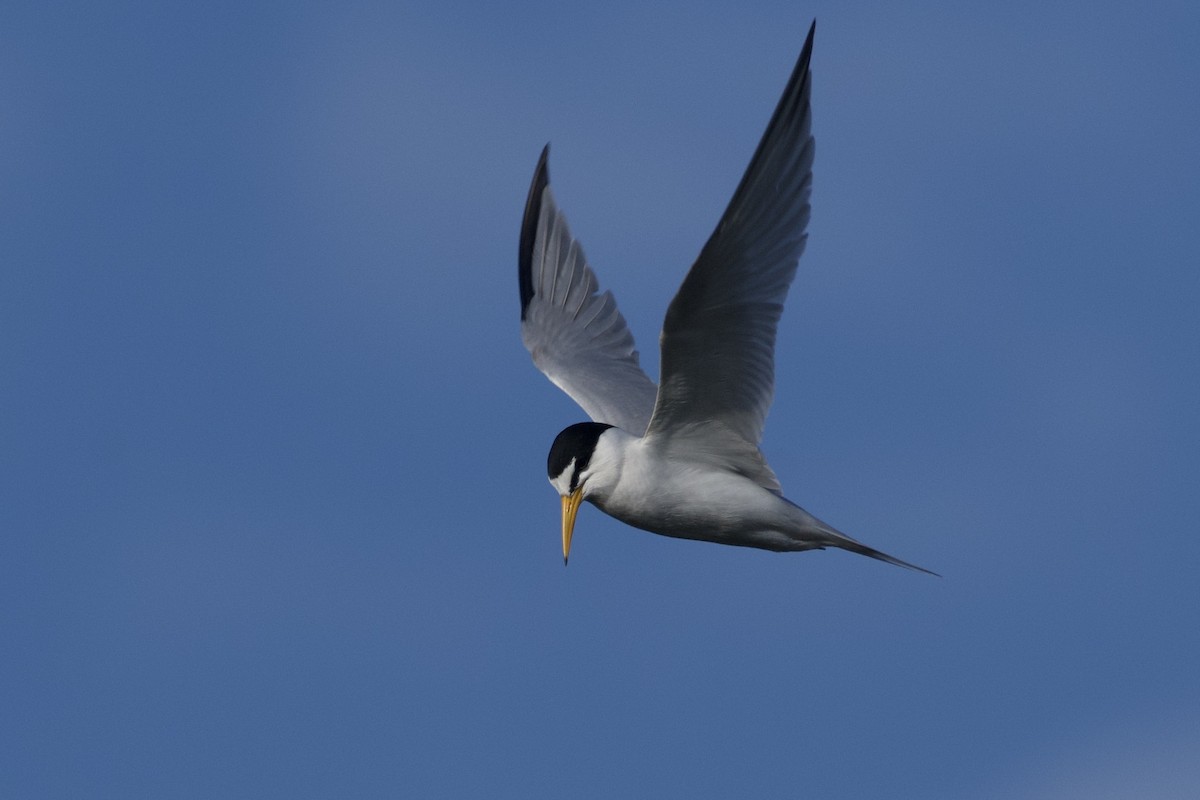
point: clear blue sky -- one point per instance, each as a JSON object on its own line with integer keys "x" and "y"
{"x": 274, "y": 518}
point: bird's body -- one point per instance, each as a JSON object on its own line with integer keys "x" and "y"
{"x": 679, "y": 489}
{"x": 681, "y": 459}
{"x": 688, "y": 500}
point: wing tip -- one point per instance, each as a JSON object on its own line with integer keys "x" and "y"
{"x": 805, "y": 53}
{"x": 533, "y": 210}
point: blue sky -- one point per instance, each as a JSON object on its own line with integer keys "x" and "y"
{"x": 273, "y": 511}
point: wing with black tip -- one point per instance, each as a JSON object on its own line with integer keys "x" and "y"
{"x": 574, "y": 332}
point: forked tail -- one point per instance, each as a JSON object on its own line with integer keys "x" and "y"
{"x": 814, "y": 530}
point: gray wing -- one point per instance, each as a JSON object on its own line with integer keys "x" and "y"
{"x": 718, "y": 339}
{"x": 576, "y": 336}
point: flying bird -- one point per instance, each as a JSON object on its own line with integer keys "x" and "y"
{"x": 682, "y": 458}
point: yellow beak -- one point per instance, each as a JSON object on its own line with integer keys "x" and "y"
{"x": 570, "y": 504}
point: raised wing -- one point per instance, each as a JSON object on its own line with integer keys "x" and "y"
{"x": 576, "y": 336}
{"x": 718, "y": 339}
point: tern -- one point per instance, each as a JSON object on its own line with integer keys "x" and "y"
{"x": 682, "y": 458}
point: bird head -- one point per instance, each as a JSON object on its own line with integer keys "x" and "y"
{"x": 567, "y": 467}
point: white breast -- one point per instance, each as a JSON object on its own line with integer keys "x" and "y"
{"x": 634, "y": 482}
